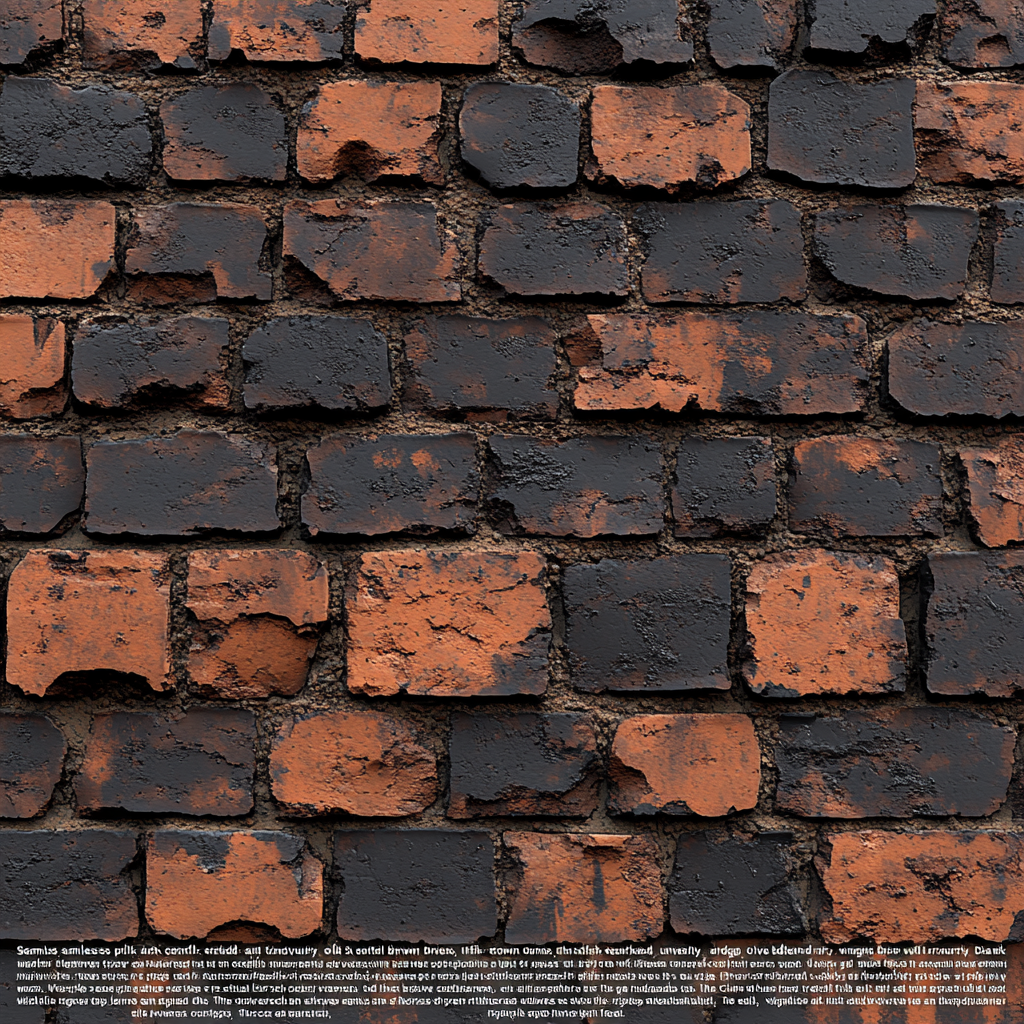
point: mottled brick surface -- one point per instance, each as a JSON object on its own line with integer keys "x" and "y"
{"x": 995, "y": 491}
{"x": 853, "y": 27}
{"x": 422, "y": 32}
{"x": 1008, "y": 262}
{"x": 28, "y": 26}
{"x": 42, "y": 481}
{"x": 32, "y": 753}
{"x": 751, "y": 33}
{"x": 277, "y": 30}
{"x": 33, "y": 381}
{"x": 123, "y": 35}
{"x": 982, "y": 33}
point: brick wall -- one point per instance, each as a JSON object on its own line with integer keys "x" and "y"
{"x": 463, "y": 459}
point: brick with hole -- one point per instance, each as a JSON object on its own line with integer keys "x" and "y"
{"x": 32, "y": 751}
{"x": 198, "y": 881}
{"x": 42, "y": 482}
{"x": 28, "y": 28}
{"x": 448, "y": 624}
{"x": 751, "y": 33}
{"x": 258, "y": 612}
{"x": 1008, "y": 257}
{"x": 649, "y": 626}
{"x": 278, "y": 30}
{"x": 995, "y": 490}
{"x": 140, "y": 35}
{"x": 424, "y": 32}
{"x": 33, "y": 383}
{"x": 104, "y": 611}
{"x": 821, "y": 622}
{"x": 982, "y": 33}
{"x": 851, "y": 28}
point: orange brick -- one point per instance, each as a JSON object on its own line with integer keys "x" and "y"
{"x": 277, "y": 30}
{"x": 34, "y": 352}
{"x": 428, "y": 31}
{"x": 164, "y": 31}
{"x": 995, "y": 491}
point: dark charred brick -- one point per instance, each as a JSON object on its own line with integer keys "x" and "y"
{"x": 425, "y": 32}
{"x": 523, "y": 765}
{"x": 32, "y": 753}
{"x": 498, "y": 369}
{"x": 862, "y": 487}
{"x": 42, "y": 480}
{"x": 751, "y": 33}
{"x": 1008, "y": 265}
{"x": 587, "y": 38}
{"x": 415, "y": 885}
{"x": 142, "y": 36}
{"x": 975, "y": 623}
{"x": 983, "y": 33}
{"x": 900, "y": 763}
{"x": 583, "y": 487}
{"x": 651, "y": 626}
{"x": 33, "y": 381}
{"x": 831, "y": 132}
{"x": 201, "y": 763}
{"x": 723, "y": 484}
{"x": 27, "y": 26}
{"x": 749, "y": 251}
{"x": 181, "y": 484}
{"x": 51, "y": 131}
{"x": 994, "y": 493}
{"x": 916, "y": 252}
{"x": 67, "y": 886}
{"x": 392, "y": 483}
{"x": 116, "y": 365}
{"x": 541, "y": 249}
{"x": 224, "y": 133}
{"x": 851, "y": 27}
{"x": 517, "y": 134}
{"x": 278, "y": 30}
{"x": 728, "y": 884}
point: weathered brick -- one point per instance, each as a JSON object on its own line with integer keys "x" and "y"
{"x": 67, "y": 885}
{"x": 922, "y": 886}
{"x": 42, "y": 480}
{"x": 916, "y": 252}
{"x": 975, "y": 623}
{"x": 668, "y": 137}
{"x": 258, "y": 612}
{"x": 760, "y": 362}
{"x": 392, "y": 483}
{"x": 365, "y": 764}
{"x": 142, "y": 35}
{"x": 371, "y": 130}
{"x": 28, "y": 26}
{"x": 995, "y": 491}
{"x": 33, "y": 381}
{"x": 433, "y": 623}
{"x": 852, "y": 27}
{"x": 224, "y": 133}
{"x": 498, "y": 369}
{"x": 862, "y": 487}
{"x": 982, "y": 33}
{"x": 424, "y": 32}
{"x": 116, "y": 364}
{"x": 329, "y": 362}
{"x": 394, "y": 251}
{"x": 823, "y": 130}
{"x": 548, "y": 249}
{"x": 653, "y": 626}
{"x": 278, "y": 30}
{"x": 709, "y": 765}
{"x": 749, "y": 251}
{"x": 584, "y": 888}
{"x": 729, "y": 884}
{"x": 751, "y": 33}
{"x": 723, "y": 484}
{"x": 181, "y": 484}
{"x": 899, "y": 763}
{"x": 415, "y": 885}
{"x": 1008, "y": 262}
{"x": 524, "y": 765}
{"x": 32, "y": 753}
{"x": 819, "y": 622}
{"x": 55, "y": 249}
{"x": 88, "y": 611}
{"x": 515, "y": 134}
{"x": 199, "y": 881}
{"x": 583, "y": 487}
{"x": 199, "y": 763}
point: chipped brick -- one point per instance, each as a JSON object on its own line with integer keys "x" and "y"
{"x": 424, "y": 32}
{"x": 982, "y": 33}
{"x": 278, "y": 30}
{"x": 1008, "y": 262}
{"x": 995, "y": 491}
{"x": 28, "y": 26}
{"x": 42, "y": 480}
{"x": 140, "y": 35}
{"x": 32, "y": 753}
{"x": 751, "y": 33}
{"x": 851, "y": 27}
{"x": 33, "y": 381}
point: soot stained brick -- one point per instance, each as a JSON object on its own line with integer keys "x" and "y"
{"x": 392, "y": 483}
{"x": 651, "y": 626}
{"x": 27, "y": 26}
{"x": 42, "y": 480}
{"x": 1008, "y": 265}
{"x": 723, "y": 484}
{"x": 67, "y": 885}
{"x": 861, "y": 487}
{"x": 995, "y": 490}
{"x": 917, "y": 252}
{"x": 583, "y": 487}
{"x": 425, "y": 32}
{"x": 33, "y": 381}
{"x": 727, "y": 884}
{"x": 850, "y": 27}
{"x": 201, "y": 763}
{"x": 542, "y": 249}
{"x": 751, "y": 33}
{"x": 477, "y": 366}
{"x": 983, "y": 33}
{"x": 326, "y": 362}
{"x": 415, "y": 885}
{"x": 523, "y": 765}
{"x": 32, "y": 753}
{"x": 114, "y": 365}
{"x": 748, "y": 251}
{"x": 278, "y": 30}
{"x": 181, "y": 484}
{"x": 823, "y": 130}
{"x": 902, "y": 763}
{"x": 140, "y": 35}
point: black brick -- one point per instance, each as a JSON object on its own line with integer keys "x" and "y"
{"x": 1008, "y": 265}
{"x": 849, "y": 27}
{"x": 42, "y": 480}
{"x": 32, "y": 752}
{"x": 983, "y": 33}
{"x": 751, "y": 33}
{"x": 28, "y": 26}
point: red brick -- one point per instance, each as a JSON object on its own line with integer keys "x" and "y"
{"x": 33, "y": 381}
{"x": 199, "y": 881}
{"x": 27, "y": 26}
{"x": 669, "y": 137}
{"x": 820, "y": 622}
{"x": 122, "y": 33}
{"x": 584, "y": 888}
{"x": 448, "y": 624}
{"x": 995, "y": 490}
{"x": 55, "y": 249}
{"x": 982, "y": 33}
{"x": 32, "y": 753}
{"x": 278, "y": 30}
{"x": 42, "y": 481}
{"x": 709, "y": 765}
{"x": 366, "y": 764}
{"x": 426, "y": 32}
{"x": 88, "y": 611}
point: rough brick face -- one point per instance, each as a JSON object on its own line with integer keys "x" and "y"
{"x": 277, "y": 30}
{"x": 995, "y": 491}
{"x": 851, "y": 28}
{"x": 33, "y": 380}
{"x": 423, "y": 32}
{"x": 982, "y": 33}
{"x": 27, "y": 26}
{"x": 127, "y": 34}
{"x": 42, "y": 480}
{"x": 751, "y": 33}
{"x": 1008, "y": 262}
{"x": 32, "y": 753}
